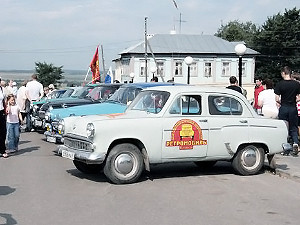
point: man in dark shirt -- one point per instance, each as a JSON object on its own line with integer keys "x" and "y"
{"x": 234, "y": 84}
{"x": 286, "y": 94}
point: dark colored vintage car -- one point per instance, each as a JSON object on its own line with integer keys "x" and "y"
{"x": 90, "y": 94}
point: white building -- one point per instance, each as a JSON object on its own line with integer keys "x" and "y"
{"x": 214, "y": 61}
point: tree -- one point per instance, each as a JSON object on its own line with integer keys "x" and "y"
{"x": 238, "y": 31}
{"x": 48, "y": 73}
{"x": 278, "y": 42}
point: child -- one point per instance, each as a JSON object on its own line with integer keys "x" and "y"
{"x": 12, "y": 123}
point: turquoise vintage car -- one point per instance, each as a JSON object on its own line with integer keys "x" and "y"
{"x": 70, "y": 93}
{"x": 117, "y": 103}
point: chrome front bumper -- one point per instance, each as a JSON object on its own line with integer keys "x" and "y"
{"x": 37, "y": 122}
{"x": 50, "y": 137}
{"x": 87, "y": 157}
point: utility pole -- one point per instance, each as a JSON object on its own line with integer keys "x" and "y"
{"x": 146, "y": 54}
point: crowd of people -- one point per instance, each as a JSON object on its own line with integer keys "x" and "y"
{"x": 14, "y": 110}
{"x": 282, "y": 103}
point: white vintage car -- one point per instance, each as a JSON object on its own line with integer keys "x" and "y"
{"x": 173, "y": 124}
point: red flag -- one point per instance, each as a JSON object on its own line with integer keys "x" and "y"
{"x": 95, "y": 67}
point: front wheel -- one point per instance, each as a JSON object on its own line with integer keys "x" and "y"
{"x": 88, "y": 168}
{"x": 249, "y": 160}
{"x": 124, "y": 164}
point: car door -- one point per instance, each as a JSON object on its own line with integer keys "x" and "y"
{"x": 228, "y": 124}
{"x": 185, "y": 130}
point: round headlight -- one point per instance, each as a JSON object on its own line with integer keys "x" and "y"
{"x": 47, "y": 116}
{"x": 90, "y": 130}
{"x": 48, "y": 127}
{"x": 61, "y": 127}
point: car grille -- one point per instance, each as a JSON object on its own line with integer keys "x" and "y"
{"x": 78, "y": 144}
{"x": 42, "y": 114}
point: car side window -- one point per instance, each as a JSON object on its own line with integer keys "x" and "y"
{"x": 223, "y": 105}
{"x": 186, "y": 105}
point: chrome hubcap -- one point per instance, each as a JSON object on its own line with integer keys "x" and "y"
{"x": 124, "y": 164}
{"x": 249, "y": 158}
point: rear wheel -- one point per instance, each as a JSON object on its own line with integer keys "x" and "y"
{"x": 88, "y": 168}
{"x": 124, "y": 164}
{"x": 249, "y": 160}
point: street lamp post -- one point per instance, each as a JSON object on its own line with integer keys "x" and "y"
{"x": 240, "y": 50}
{"x": 188, "y": 61}
{"x": 153, "y": 70}
{"x": 131, "y": 76}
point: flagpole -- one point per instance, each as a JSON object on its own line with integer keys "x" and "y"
{"x": 89, "y": 69}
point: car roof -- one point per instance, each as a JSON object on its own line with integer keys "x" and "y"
{"x": 104, "y": 84}
{"x": 195, "y": 88}
{"x": 143, "y": 85}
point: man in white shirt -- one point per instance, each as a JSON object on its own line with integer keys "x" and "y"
{"x": 35, "y": 92}
{"x": 35, "y": 89}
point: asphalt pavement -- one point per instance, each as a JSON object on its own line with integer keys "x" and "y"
{"x": 288, "y": 166}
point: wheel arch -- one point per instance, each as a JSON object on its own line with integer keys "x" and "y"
{"x": 135, "y": 142}
{"x": 256, "y": 144}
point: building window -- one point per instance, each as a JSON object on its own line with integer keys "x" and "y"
{"x": 243, "y": 68}
{"x": 207, "y": 69}
{"x": 225, "y": 69}
{"x": 142, "y": 69}
{"x": 178, "y": 68}
{"x": 193, "y": 70}
{"x": 160, "y": 68}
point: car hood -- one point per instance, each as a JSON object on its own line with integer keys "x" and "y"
{"x": 77, "y": 124}
{"x": 89, "y": 109}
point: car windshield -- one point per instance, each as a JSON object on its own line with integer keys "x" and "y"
{"x": 125, "y": 95}
{"x": 82, "y": 92}
{"x": 101, "y": 93}
{"x": 57, "y": 94}
{"x": 150, "y": 101}
{"x": 68, "y": 93}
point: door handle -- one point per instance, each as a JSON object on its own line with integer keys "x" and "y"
{"x": 205, "y": 121}
{"x": 243, "y": 121}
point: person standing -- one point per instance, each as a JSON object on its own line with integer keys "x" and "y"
{"x": 257, "y": 89}
{"x": 266, "y": 100}
{"x": 234, "y": 85}
{"x": 287, "y": 94}
{"x": 12, "y": 124}
{"x": 9, "y": 87}
{"x": 35, "y": 92}
{"x": 35, "y": 89}
{"x": 24, "y": 104}
{"x": 3, "y": 86}
{"x": 14, "y": 89}
{"x": 2, "y": 123}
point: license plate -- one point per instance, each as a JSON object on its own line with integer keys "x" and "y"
{"x": 67, "y": 154}
{"x": 51, "y": 139}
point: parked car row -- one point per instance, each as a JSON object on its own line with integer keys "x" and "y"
{"x": 89, "y": 94}
{"x": 143, "y": 124}
{"x": 117, "y": 103}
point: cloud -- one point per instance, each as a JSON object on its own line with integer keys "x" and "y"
{"x": 66, "y": 32}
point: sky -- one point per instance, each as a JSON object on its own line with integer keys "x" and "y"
{"x": 66, "y": 32}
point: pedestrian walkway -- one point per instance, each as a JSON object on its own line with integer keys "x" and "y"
{"x": 288, "y": 166}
